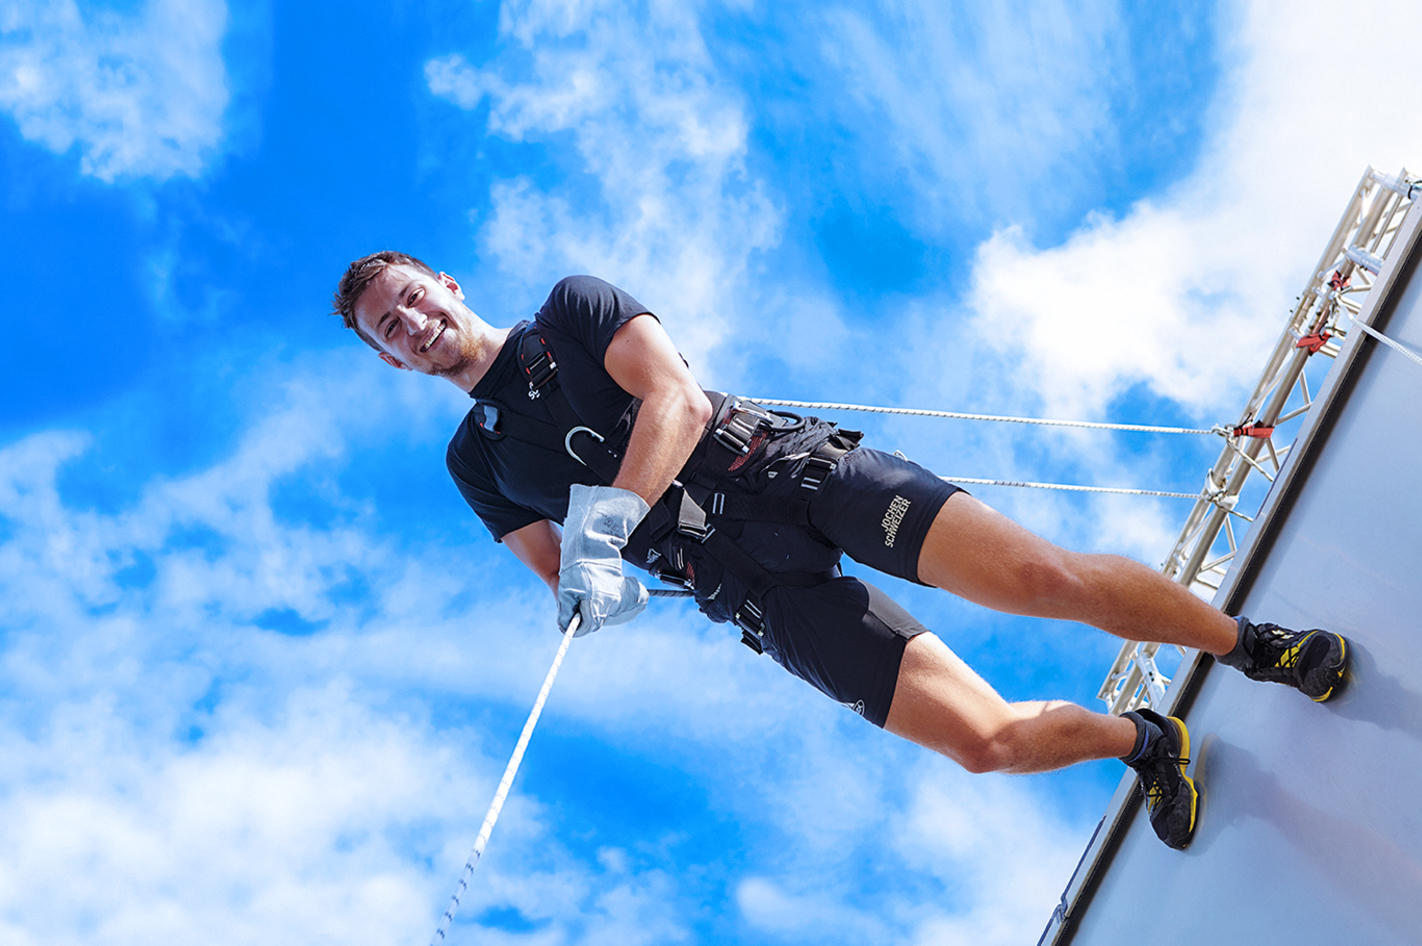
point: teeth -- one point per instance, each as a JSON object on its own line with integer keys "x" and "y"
{"x": 433, "y": 338}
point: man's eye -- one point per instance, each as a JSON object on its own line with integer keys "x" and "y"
{"x": 417, "y": 295}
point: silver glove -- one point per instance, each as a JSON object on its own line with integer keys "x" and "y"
{"x": 590, "y": 580}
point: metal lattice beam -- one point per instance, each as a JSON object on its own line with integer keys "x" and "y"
{"x": 1207, "y": 542}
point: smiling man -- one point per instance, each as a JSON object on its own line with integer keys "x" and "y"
{"x": 587, "y": 417}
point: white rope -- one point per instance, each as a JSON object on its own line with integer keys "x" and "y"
{"x": 954, "y": 415}
{"x": 1075, "y": 489}
{"x": 509, "y": 772}
{"x": 1385, "y": 340}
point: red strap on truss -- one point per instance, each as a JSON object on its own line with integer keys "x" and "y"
{"x": 1258, "y": 431}
{"x": 1314, "y": 342}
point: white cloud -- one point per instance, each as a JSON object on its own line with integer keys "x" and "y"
{"x": 989, "y": 835}
{"x": 986, "y": 109}
{"x": 142, "y": 94}
{"x": 629, "y": 97}
{"x": 1186, "y": 293}
{"x": 259, "y": 834}
{"x": 177, "y": 772}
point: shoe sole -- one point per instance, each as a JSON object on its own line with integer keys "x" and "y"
{"x": 1184, "y": 735}
{"x": 1337, "y": 670}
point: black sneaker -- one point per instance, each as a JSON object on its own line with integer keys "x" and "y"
{"x": 1312, "y": 662}
{"x": 1159, "y": 758}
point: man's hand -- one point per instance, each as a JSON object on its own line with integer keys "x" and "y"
{"x": 590, "y": 579}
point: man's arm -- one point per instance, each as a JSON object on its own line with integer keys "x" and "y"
{"x": 674, "y": 411}
{"x": 537, "y": 546}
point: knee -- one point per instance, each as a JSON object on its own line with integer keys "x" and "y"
{"x": 1000, "y": 751}
{"x": 1052, "y": 579}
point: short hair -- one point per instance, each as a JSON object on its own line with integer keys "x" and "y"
{"x": 358, "y": 277}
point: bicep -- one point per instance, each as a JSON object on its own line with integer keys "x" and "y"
{"x": 539, "y": 547}
{"x": 643, "y": 361}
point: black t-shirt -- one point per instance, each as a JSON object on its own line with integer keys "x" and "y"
{"x": 511, "y": 483}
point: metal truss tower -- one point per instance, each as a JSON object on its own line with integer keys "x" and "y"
{"x": 1335, "y": 293}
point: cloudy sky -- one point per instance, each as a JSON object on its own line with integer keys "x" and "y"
{"x": 259, "y": 668}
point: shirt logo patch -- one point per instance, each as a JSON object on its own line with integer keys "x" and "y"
{"x": 898, "y": 508}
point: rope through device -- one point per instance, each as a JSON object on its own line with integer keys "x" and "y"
{"x": 509, "y": 772}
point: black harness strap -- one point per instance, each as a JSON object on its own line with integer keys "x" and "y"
{"x": 568, "y": 435}
{"x": 694, "y": 520}
{"x": 737, "y": 429}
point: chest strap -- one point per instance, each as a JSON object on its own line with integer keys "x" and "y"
{"x": 567, "y": 435}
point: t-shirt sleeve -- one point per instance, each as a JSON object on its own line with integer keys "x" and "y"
{"x": 499, "y": 514}
{"x": 589, "y": 311}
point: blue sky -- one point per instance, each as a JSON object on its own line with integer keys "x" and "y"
{"x": 259, "y": 668}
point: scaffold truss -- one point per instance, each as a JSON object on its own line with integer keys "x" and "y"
{"x": 1334, "y": 294}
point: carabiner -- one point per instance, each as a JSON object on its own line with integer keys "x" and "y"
{"x": 568, "y": 442}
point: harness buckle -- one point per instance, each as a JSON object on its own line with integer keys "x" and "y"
{"x": 735, "y": 433}
{"x": 680, "y": 581}
{"x": 816, "y": 469}
{"x": 691, "y": 519}
{"x": 540, "y": 366}
{"x": 486, "y": 415}
{"x": 751, "y": 620}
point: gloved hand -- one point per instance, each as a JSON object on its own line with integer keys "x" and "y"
{"x": 590, "y": 579}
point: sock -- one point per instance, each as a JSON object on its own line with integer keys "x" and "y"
{"x": 1240, "y": 656}
{"x": 1146, "y": 735}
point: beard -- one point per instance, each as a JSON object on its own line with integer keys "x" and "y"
{"x": 465, "y": 357}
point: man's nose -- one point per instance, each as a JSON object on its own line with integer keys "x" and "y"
{"x": 413, "y": 319}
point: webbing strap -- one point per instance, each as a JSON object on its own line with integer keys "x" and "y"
{"x": 590, "y": 448}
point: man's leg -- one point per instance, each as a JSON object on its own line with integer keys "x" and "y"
{"x": 941, "y": 704}
{"x": 981, "y": 555}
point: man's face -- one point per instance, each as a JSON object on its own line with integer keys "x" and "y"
{"x": 419, "y": 321}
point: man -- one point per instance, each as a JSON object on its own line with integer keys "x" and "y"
{"x": 588, "y": 417}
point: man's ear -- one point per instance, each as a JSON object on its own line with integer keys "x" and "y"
{"x": 394, "y": 362}
{"x": 451, "y": 285}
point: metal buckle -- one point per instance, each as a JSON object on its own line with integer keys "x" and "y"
{"x": 735, "y": 434}
{"x": 679, "y": 581}
{"x": 541, "y": 369}
{"x": 691, "y": 519}
{"x": 823, "y": 466}
{"x": 751, "y": 620}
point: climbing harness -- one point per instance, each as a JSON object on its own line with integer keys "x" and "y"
{"x": 738, "y": 430}
{"x": 496, "y": 420}
{"x": 502, "y": 792}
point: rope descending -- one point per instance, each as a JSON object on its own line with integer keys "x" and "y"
{"x": 509, "y": 772}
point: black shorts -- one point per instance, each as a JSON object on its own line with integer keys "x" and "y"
{"x": 846, "y": 637}
{"x": 878, "y": 508}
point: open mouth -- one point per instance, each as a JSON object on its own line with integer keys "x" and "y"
{"x": 438, "y": 333}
